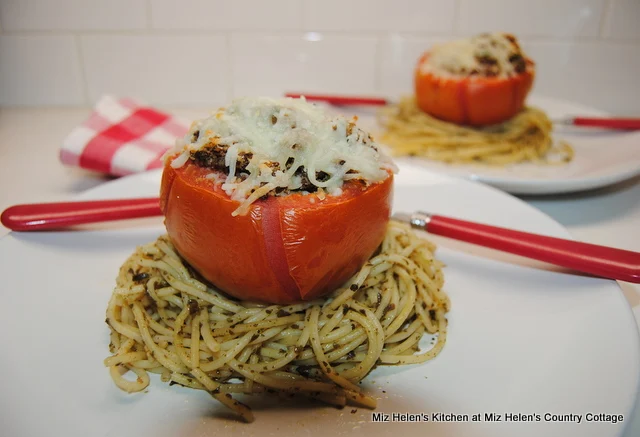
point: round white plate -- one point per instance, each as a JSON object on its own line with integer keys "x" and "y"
{"x": 602, "y": 157}
{"x": 522, "y": 340}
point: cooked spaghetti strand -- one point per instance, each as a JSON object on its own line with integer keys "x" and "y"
{"x": 526, "y": 137}
{"x": 193, "y": 335}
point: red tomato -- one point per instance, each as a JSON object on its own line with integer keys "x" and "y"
{"x": 285, "y": 249}
{"x": 472, "y": 100}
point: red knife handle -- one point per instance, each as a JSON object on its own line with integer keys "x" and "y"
{"x": 340, "y": 100}
{"x": 609, "y": 123}
{"x": 42, "y": 216}
{"x": 597, "y": 260}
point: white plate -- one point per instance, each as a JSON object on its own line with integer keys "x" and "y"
{"x": 602, "y": 157}
{"x": 522, "y": 340}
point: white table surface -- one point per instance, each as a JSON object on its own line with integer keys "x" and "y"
{"x": 608, "y": 216}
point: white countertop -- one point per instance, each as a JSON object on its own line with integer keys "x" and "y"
{"x": 608, "y": 216}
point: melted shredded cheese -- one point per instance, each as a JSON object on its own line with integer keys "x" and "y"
{"x": 279, "y": 136}
{"x": 488, "y": 54}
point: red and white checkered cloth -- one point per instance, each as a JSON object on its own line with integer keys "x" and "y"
{"x": 122, "y": 137}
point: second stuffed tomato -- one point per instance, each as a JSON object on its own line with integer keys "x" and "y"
{"x": 478, "y": 81}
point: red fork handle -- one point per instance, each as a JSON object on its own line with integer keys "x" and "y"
{"x": 602, "y": 261}
{"x": 341, "y": 100}
{"x": 43, "y": 216}
{"x": 606, "y": 262}
{"x": 608, "y": 123}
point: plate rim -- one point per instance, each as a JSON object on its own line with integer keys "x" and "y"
{"x": 152, "y": 175}
{"x": 533, "y": 186}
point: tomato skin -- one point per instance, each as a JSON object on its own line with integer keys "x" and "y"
{"x": 285, "y": 249}
{"x": 473, "y": 100}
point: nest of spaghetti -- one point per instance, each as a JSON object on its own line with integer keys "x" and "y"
{"x": 526, "y": 137}
{"x": 165, "y": 319}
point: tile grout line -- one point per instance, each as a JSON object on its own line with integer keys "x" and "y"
{"x": 297, "y": 33}
{"x": 604, "y": 18}
{"x": 83, "y": 69}
{"x": 303, "y": 16}
{"x": 456, "y": 17}
{"x": 148, "y": 14}
{"x": 230, "y": 80}
{"x": 377, "y": 64}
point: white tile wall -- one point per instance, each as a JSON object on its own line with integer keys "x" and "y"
{"x": 576, "y": 70}
{"x": 273, "y": 64}
{"x": 204, "y": 52}
{"x": 227, "y": 15}
{"x": 560, "y": 18}
{"x": 73, "y": 14}
{"x": 397, "y": 57}
{"x": 385, "y": 15}
{"x": 39, "y": 70}
{"x": 166, "y": 70}
{"x": 623, "y": 20}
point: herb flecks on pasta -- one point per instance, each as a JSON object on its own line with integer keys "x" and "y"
{"x": 165, "y": 320}
{"x": 524, "y": 138}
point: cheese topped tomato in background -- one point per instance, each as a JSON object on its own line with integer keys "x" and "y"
{"x": 477, "y": 81}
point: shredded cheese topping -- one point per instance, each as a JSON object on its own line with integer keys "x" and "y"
{"x": 275, "y": 145}
{"x": 488, "y": 54}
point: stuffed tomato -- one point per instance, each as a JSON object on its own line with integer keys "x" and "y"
{"x": 478, "y": 81}
{"x": 275, "y": 201}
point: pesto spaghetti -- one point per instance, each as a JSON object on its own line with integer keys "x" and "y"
{"x": 165, "y": 320}
{"x": 524, "y": 138}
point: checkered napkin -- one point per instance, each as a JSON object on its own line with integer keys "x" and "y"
{"x": 122, "y": 137}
